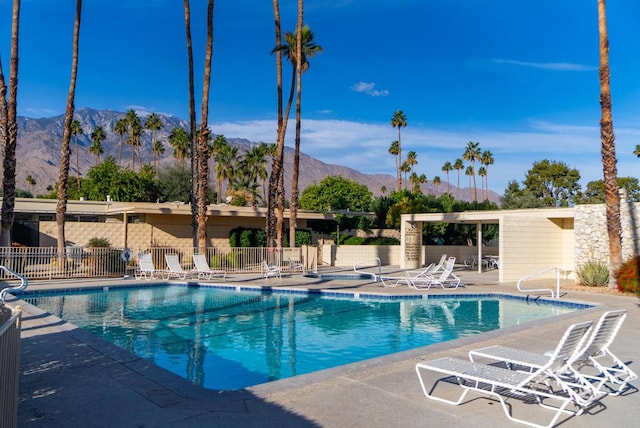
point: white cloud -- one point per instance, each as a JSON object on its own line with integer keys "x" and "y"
{"x": 369, "y": 89}
{"x": 555, "y": 66}
{"x": 364, "y": 146}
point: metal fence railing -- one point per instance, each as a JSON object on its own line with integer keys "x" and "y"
{"x": 84, "y": 262}
{"x": 9, "y": 365}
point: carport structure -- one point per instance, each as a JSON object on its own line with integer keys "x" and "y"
{"x": 530, "y": 240}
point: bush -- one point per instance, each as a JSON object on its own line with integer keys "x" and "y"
{"x": 628, "y": 276}
{"x": 594, "y": 274}
{"x": 98, "y": 243}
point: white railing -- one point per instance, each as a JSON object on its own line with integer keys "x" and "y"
{"x": 22, "y": 286}
{"x": 555, "y": 295}
{"x": 9, "y": 365}
{"x": 84, "y": 262}
{"x": 368, "y": 263}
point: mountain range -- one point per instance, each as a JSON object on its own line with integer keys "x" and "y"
{"x": 39, "y": 141}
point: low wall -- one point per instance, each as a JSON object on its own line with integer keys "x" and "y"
{"x": 591, "y": 238}
{"x": 348, "y": 255}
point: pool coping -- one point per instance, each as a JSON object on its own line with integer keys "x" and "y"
{"x": 187, "y": 389}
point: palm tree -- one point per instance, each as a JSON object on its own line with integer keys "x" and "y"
{"x": 179, "y": 140}
{"x": 471, "y": 154}
{"x": 470, "y": 172}
{"x": 158, "y": 150}
{"x": 486, "y": 159}
{"x": 254, "y": 162}
{"x": 61, "y": 207}
{"x": 608, "y": 149}
{"x": 218, "y": 142}
{"x": 447, "y": 168}
{"x": 482, "y": 172}
{"x": 9, "y": 131}
{"x": 97, "y": 136}
{"x": 637, "y": 150}
{"x": 192, "y": 124}
{"x": 121, "y": 128}
{"x": 298, "y": 48}
{"x": 135, "y": 130}
{"x": 394, "y": 149}
{"x": 413, "y": 179}
{"x": 275, "y": 200}
{"x": 153, "y": 124}
{"x": 226, "y": 160}
{"x": 383, "y": 190}
{"x": 405, "y": 168}
{"x": 458, "y": 165}
{"x": 412, "y": 159}
{"x": 436, "y": 182}
{"x": 31, "y": 182}
{"x": 76, "y": 129}
{"x": 399, "y": 120}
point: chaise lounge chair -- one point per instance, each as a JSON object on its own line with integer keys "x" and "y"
{"x": 175, "y": 269}
{"x": 503, "y": 383}
{"x": 596, "y": 348}
{"x": 271, "y": 270}
{"x": 296, "y": 266}
{"x": 446, "y": 279}
{"x": 146, "y": 268}
{"x": 394, "y": 281}
{"x": 203, "y": 269}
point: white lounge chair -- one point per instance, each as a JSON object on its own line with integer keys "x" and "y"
{"x": 394, "y": 281}
{"x": 503, "y": 383}
{"x": 446, "y": 279}
{"x": 175, "y": 269}
{"x": 146, "y": 269}
{"x": 203, "y": 269}
{"x": 296, "y": 266}
{"x": 271, "y": 270}
{"x": 595, "y": 348}
{"x": 440, "y": 265}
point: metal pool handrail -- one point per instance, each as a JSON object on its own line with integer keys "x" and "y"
{"x": 367, "y": 263}
{"x": 23, "y": 284}
{"x": 555, "y": 295}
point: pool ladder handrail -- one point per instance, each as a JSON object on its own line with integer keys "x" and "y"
{"x": 555, "y": 295}
{"x": 368, "y": 262}
{"x": 24, "y": 282}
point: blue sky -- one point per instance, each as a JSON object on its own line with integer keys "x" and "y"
{"x": 518, "y": 76}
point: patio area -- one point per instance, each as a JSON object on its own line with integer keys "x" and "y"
{"x": 71, "y": 378}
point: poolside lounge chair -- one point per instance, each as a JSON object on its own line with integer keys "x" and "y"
{"x": 175, "y": 269}
{"x": 596, "y": 347}
{"x": 146, "y": 268}
{"x": 296, "y": 266}
{"x": 203, "y": 269}
{"x": 394, "y": 281}
{"x": 446, "y": 279}
{"x": 271, "y": 270}
{"x": 503, "y": 383}
{"x": 440, "y": 265}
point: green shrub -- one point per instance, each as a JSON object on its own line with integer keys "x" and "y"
{"x": 594, "y": 274}
{"x": 628, "y": 276}
{"x": 98, "y": 243}
{"x": 353, "y": 240}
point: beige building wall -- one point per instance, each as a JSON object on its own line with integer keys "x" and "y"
{"x": 349, "y": 255}
{"x": 534, "y": 243}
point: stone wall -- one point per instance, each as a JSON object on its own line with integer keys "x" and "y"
{"x": 591, "y": 239}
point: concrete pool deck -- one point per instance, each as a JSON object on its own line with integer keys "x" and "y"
{"x": 70, "y": 378}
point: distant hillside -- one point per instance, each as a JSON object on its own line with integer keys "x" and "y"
{"x": 38, "y": 153}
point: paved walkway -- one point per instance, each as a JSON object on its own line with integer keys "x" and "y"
{"x": 72, "y": 379}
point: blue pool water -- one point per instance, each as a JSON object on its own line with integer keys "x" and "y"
{"x": 227, "y": 339}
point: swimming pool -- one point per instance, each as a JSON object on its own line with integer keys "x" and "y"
{"x": 222, "y": 338}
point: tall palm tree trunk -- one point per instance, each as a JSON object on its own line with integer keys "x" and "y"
{"x": 608, "y": 149}
{"x": 192, "y": 125}
{"x": 63, "y": 178}
{"x": 277, "y": 160}
{"x": 293, "y": 208}
{"x": 203, "y": 147}
{"x": 9, "y": 131}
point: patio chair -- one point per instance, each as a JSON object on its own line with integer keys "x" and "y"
{"x": 595, "y": 349}
{"x": 296, "y": 266}
{"x": 271, "y": 270}
{"x": 537, "y": 385}
{"x": 203, "y": 269}
{"x": 440, "y": 266}
{"x": 447, "y": 279}
{"x": 175, "y": 269}
{"x": 146, "y": 269}
{"x": 394, "y": 281}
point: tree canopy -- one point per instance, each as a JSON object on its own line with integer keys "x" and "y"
{"x": 336, "y": 193}
{"x": 546, "y": 184}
